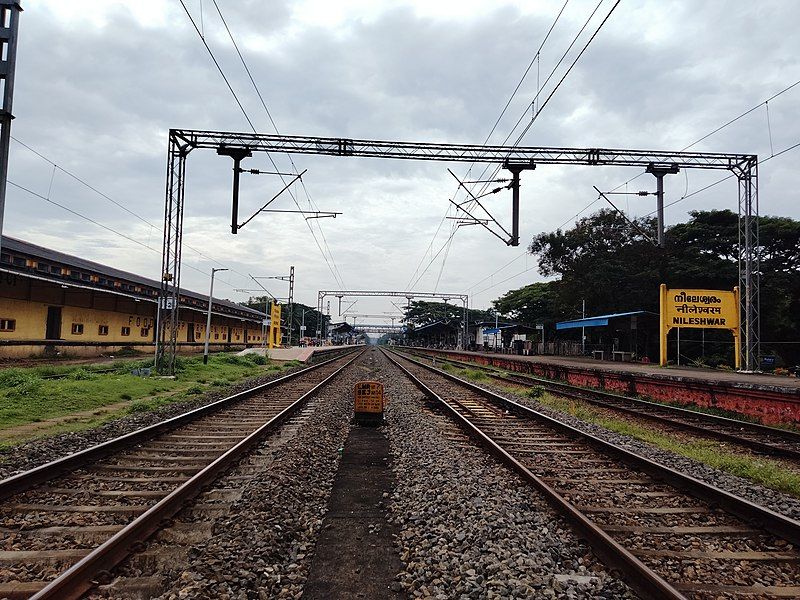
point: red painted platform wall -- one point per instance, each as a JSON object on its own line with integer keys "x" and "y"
{"x": 769, "y": 406}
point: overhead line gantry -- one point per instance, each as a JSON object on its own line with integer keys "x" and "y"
{"x": 513, "y": 158}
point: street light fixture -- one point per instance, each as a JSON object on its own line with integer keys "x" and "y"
{"x": 208, "y": 317}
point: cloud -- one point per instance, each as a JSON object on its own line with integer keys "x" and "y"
{"x": 98, "y": 96}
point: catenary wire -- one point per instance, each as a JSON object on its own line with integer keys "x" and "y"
{"x": 336, "y": 274}
{"x": 686, "y": 194}
{"x": 486, "y": 141}
{"x": 544, "y": 85}
{"x": 723, "y": 126}
{"x": 94, "y": 189}
{"x": 101, "y": 225}
{"x": 241, "y": 107}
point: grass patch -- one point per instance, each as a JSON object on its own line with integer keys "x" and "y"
{"x": 475, "y": 374}
{"x": 27, "y": 396}
{"x": 535, "y": 392}
{"x": 764, "y": 471}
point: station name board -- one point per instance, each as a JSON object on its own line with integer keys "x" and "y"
{"x": 704, "y": 309}
{"x": 714, "y": 309}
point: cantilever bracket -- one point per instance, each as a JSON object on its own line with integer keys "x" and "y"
{"x": 237, "y": 154}
{"x": 516, "y": 168}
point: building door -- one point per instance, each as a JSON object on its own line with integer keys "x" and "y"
{"x": 190, "y": 332}
{"x": 53, "y": 331}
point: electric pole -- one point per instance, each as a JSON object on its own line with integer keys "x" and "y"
{"x": 9, "y": 24}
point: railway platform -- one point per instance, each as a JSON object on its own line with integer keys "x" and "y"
{"x": 770, "y": 398}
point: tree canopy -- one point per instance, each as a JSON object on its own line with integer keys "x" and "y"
{"x": 420, "y": 312}
{"x": 616, "y": 267}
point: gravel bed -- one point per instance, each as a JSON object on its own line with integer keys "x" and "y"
{"x": 38, "y": 452}
{"x": 470, "y": 528}
{"x": 777, "y": 501}
{"x": 262, "y": 547}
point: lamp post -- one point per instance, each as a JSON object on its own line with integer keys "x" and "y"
{"x": 208, "y": 317}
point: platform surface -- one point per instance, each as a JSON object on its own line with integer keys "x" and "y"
{"x": 292, "y": 353}
{"x": 755, "y": 380}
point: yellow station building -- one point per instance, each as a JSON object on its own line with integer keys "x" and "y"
{"x": 53, "y": 303}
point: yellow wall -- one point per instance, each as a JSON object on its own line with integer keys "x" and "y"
{"x": 26, "y": 301}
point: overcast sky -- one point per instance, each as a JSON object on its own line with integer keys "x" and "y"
{"x": 100, "y": 82}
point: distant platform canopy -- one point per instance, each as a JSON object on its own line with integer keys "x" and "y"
{"x": 601, "y": 320}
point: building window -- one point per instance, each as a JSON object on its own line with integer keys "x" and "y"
{"x": 102, "y": 330}
{"x": 77, "y": 329}
{"x": 55, "y": 270}
{"x": 18, "y": 261}
{"x": 145, "y": 331}
{"x": 216, "y": 336}
{"x": 43, "y": 267}
{"x": 8, "y": 324}
{"x": 126, "y": 331}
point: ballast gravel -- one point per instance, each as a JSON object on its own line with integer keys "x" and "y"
{"x": 470, "y": 528}
{"x": 38, "y": 452}
{"x": 772, "y": 499}
{"x": 262, "y": 547}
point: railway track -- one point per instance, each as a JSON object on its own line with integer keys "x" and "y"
{"x": 65, "y": 524}
{"x": 671, "y": 535}
{"x": 770, "y": 441}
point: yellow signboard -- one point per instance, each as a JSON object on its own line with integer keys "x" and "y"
{"x": 702, "y": 308}
{"x": 275, "y": 325}
{"x": 368, "y": 397}
{"x": 705, "y": 309}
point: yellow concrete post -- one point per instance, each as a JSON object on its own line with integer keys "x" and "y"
{"x": 663, "y": 330}
{"x": 737, "y": 339}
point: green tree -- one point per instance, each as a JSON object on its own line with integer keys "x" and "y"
{"x": 534, "y": 303}
{"x": 419, "y": 313}
{"x": 617, "y": 267}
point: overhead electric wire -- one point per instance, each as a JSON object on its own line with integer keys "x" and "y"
{"x": 114, "y": 202}
{"x": 552, "y": 72}
{"x": 335, "y": 270}
{"x": 544, "y": 85}
{"x": 718, "y": 181}
{"x": 486, "y": 141}
{"x": 723, "y": 126}
{"x": 574, "y": 62}
{"x": 99, "y": 224}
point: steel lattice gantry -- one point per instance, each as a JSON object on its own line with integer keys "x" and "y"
{"x": 513, "y": 158}
{"x": 464, "y": 298}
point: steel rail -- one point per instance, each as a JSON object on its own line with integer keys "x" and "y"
{"x": 776, "y": 523}
{"x": 647, "y": 582}
{"x": 81, "y": 576}
{"x": 595, "y": 397}
{"x": 23, "y": 481}
{"x": 760, "y": 516}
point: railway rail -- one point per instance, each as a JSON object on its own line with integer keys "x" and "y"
{"x": 66, "y": 524}
{"x": 771, "y": 441}
{"x": 671, "y": 535}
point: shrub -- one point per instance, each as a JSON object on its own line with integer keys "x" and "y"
{"x": 81, "y": 375}
{"x": 536, "y": 391}
{"x": 256, "y": 359}
{"x": 194, "y": 390}
{"x": 474, "y": 374}
{"x": 140, "y": 407}
{"x": 126, "y": 397}
{"x": 14, "y": 378}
